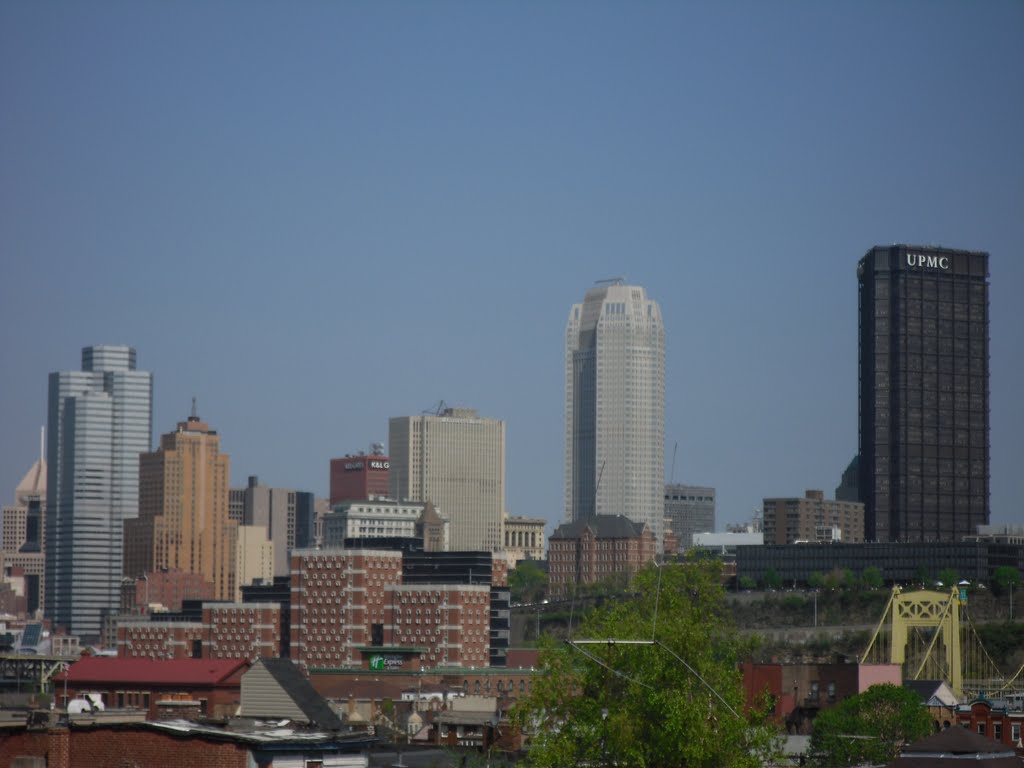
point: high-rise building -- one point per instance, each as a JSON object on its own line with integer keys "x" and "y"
{"x": 360, "y": 477}
{"x": 615, "y": 407}
{"x": 21, "y": 534}
{"x": 689, "y": 509}
{"x": 183, "y": 521}
{"x": 100, "y": 421}
{"x": 456, "y": 460}
{"x": 287, "y": 515}
{"x": 924, "y": 393}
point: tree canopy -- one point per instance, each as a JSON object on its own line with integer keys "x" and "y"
{"x": 641, "y": 705}
{"x": 869, "y": 728}
{"x": 527, "y": 582}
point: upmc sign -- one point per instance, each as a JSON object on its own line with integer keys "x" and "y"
{"x": 929, "y": 262}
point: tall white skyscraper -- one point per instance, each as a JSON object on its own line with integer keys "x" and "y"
{"x": 456, "y": 460}
{"x": 100, "y": 420}
{"x": 615, "y": 407}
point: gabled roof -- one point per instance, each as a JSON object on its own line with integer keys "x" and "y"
{"x": 301, "y": 691}
{"x": 932, "y": 692}
{"x": 33, "y": 483}
{"x": 602, "y": 526}
{"x": 106, "y": 670}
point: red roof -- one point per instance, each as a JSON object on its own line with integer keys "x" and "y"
{"x": 93, "y": 670}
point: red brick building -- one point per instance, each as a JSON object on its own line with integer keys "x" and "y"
{"x": 586, "y": 551}
{"x": 451, "y": 621}
{"x": 167, "y": 588}
{"x": 999, "y": 719}
{"x": 143, "y": 683}
{"x": 225, "y": 631}
{"x": 88, "y": 742}
{"x": 360, "y": 477}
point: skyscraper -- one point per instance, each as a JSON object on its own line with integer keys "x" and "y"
{"x": 455, "y": 460}
{"x": 924, "y": 412}
{"x": 615, "y": 407}
{"x": 100, "y": 420}
{"x": 183, "y": 521}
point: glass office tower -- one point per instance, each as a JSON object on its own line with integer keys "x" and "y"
{"x": 924, "y": 393}
{"x": 99, "y": 421}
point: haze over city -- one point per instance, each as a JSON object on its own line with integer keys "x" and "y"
{"x": 314, "y": 217}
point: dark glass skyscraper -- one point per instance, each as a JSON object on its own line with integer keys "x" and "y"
{"x": 924, "y": 391}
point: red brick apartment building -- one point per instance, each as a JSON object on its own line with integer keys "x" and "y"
{"x": 1001, "y": 720}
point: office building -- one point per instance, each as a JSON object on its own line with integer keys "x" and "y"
{"x": 615, "y": 407}
{"x": 812, "y": 518}
{"x": 360, "y": 477}
{"x": 99, "y": 422}
{"x": 254, "y": 558}
{"x": 285, "y": 513}
{"x": 924, "y": 393}
{"x": 456, "y": 460}
{"x": 183, "y": 521}
{"x": 689, "y": 509}
{"x": 524, "y": 538}
{"x": 377, "y": 518}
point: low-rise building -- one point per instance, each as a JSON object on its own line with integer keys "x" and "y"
{"x": 524, "y": 538}
{"x": 587, "y": 551}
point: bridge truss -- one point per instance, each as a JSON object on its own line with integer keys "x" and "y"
{"x": 931, "y": 636}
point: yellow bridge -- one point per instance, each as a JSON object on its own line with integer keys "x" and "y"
{"x": 931, "y": 636}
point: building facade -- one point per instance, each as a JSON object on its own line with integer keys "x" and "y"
{"x": 587, "y": 551}
{"x": 456, "y": 460}
{"x": 360, "y": 477}
{"x": 254, "y": 559}
{"x": 524, "y": 538}
{"x": 924, "y": 393}
{"x": 374, "y": 519}
{"x": 812, "y": 518}
{"x": 615, "y": 407}
{"x": 183, "y": 521}
{"x": 287, "y": 515}
{"x": 99, "y": 422}
{"x": 689, "y": 509}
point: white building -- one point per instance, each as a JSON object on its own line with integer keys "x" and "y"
{"x": 456, "y": 460}
{"x": 375, "y": 518}
{"x": 615, "y": 407}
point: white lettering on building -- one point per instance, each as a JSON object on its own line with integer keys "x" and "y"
{"x": 929, "y": 262}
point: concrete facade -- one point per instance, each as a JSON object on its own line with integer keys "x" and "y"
{"x": 615, "y": 407}
{"x": 690, "y": 509}
{"x": 812, "y": 519}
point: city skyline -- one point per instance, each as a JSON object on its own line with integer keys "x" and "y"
{"x": 323, "y": 218}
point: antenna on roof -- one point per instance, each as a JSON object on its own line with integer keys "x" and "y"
{"x": 42, "y": 443}
{"x": 195, "y": 413}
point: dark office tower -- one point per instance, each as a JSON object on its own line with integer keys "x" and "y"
{"x": 924, "y": 416}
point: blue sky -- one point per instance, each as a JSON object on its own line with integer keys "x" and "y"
{"x": 313, "y": 216}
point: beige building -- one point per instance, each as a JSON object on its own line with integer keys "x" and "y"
{"x": 377, "y": 518}
{"x": 183, "y": 520}
{"x": 254, "y": 558}
{"x": 813, "y": 518}
{"x": 524, "y": 539}
{"x": 22, "y": 526}
{"x": 456, "y": 460}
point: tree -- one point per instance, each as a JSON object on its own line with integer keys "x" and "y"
{"x": 869, "y": 728}
{"x": 648, "y": 705}
{"x": 949, "y": 577}
{"x": 1005, "y": 578}
{"x": 772, "y": 580}
{"x": 871, "y": 577}
{"x": 527, "y": 582}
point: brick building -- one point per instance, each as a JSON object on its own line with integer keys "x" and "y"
{"x": 812, "y": 518}
{"x": 587, "y": 551}
{"x": 359, "y": 477}
{"x": 999, "y": 719}
{"x": 220, "y": 631}
{"x": 143, "y": 683}
{"x": 166, "y": 588}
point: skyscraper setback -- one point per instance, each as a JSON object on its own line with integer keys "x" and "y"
{"x": 924, "y": 393}
{"x": 100, "y": 420}
{"x": 615, "y": 407}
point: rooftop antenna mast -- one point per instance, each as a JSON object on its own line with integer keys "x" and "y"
{"x": 672, "y": 475}
{"x": 195, "y": 413}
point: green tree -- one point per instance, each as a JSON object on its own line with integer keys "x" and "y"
{"x": 949, "y": 577}
{"x": 1005, "y": 578}
{"x": 869, "y": 728}
{"x": 747, "y": 582}
{"x": 772, "y": 580}
{"x": 678, "y": 701}
{"x": 816, "y": 580}
{"x": 871, "y": 577}
{"x": 527, "y": 582}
